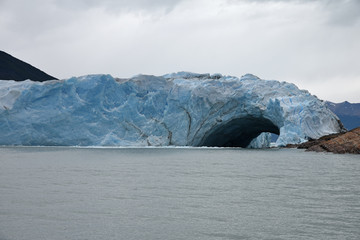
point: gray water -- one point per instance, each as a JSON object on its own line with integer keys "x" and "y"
{"x": 152, "y": 193}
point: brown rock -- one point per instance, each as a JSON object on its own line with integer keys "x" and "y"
{"x": 316, "y": 148}
{"x": 348, "y": 142}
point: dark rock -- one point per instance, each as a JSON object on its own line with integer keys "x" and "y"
{"x": 12, "y": 68}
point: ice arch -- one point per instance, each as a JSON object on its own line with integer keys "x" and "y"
{"x": 238, "y": 132}
{"x": 180, "y": 109}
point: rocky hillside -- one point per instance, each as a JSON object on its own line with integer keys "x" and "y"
{"x": 12, "y": 68}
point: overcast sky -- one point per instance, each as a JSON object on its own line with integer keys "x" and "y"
{"x": 314, "y": 44}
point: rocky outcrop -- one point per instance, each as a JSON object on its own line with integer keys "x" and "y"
{"x": 348, "y": 142}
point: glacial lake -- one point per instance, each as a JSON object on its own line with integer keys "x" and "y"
{"x": 58, "y": 193}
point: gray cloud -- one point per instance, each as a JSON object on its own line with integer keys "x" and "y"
{"x": 343, "y": 12}
{"x": 36, "y": 17}
{"x": 119, "y": 5}
{"x": 340, "y": 12}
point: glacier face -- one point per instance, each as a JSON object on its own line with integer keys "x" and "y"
{"x": 181, "y": 109}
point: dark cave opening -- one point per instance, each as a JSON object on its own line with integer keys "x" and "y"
{"x": 238, "y": 132}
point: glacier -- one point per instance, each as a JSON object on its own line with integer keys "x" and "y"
{"x": 177, "y": 109}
